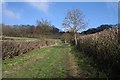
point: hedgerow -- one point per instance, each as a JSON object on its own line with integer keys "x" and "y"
{"x": 104, "y": 48}
{"x": 11, "y": 48}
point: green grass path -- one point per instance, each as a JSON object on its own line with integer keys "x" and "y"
{"x": 50, "y": 62}
{"x": 61, "y": 61}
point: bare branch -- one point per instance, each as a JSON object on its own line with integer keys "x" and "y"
{"x": 74, "y": 21}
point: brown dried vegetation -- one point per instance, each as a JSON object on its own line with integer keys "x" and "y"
{"x": 104, "y": 48}
{"x": 11, "y": 48}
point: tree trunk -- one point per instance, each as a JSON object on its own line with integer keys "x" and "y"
{"x": 75, "y": 39}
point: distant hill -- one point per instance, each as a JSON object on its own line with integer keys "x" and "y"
{"x": 98, "y": 29}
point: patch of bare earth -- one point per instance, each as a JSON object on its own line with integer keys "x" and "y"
{"x": 72, "y": 67}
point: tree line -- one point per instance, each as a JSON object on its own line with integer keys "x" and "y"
{"x": 43, "y": 27}
{"x": 98, "y": 29}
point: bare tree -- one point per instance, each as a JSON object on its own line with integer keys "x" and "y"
{"x": 74, "y": 22}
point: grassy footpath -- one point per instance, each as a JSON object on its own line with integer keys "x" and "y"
{"x": 47, "y": 62}
{"x": 62, "y": 61}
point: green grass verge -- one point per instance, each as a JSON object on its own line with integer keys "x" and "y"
{"x": 86, "y": 68}
{"x": 0, "y": 69}
{"x": 41, "y": 63}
